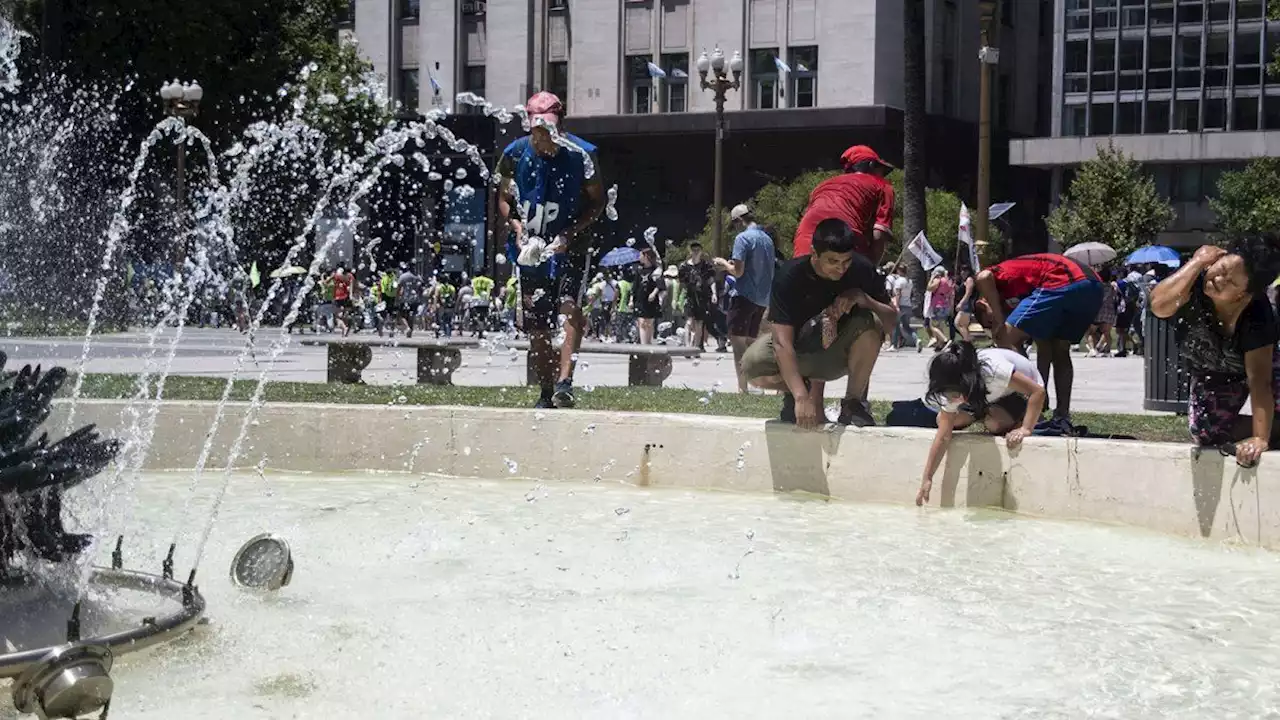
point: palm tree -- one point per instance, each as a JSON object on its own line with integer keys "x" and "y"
{"x": 914, "y": 135}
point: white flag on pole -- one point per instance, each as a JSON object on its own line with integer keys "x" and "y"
{"x": 966, "y": 237}
{"x": 920, "y": 247}
{"x": 999, "y": 209}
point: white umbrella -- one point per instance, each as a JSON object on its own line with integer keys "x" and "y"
{"x": 1091, "y": 253}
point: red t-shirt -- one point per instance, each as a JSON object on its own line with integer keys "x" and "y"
{"x": 341, "y": 286}
{"x": 1017, "y": 277}
{"x": 862, "y": 200}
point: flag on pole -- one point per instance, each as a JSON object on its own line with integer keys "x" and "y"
{"x": 782, "y": 67}
{"x": 999, "y": 209}
{"x": 966, "y": 237}
{"x": 678, "y": 73}
{"x": 655, "y": 71}
{"x": 435, "y": 86}
{"x": 920, "y": 247}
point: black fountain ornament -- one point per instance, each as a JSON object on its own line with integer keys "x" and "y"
{"x": 59, "y": 674}
{"x": 35, "y": 474}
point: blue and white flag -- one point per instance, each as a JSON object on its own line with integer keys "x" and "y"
{"x": 655, "y": 71}
{"x": 801, "y": 67}
{"x": 782, "y": 67}
{"x": 435, "y": 86}
{"x": 678, "y": 73}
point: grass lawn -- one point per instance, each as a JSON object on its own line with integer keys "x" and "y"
{"x": 1162, "y": 428}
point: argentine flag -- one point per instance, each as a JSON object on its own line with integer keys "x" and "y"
{"x": 782, "y": 67}
{"x": 656, "y": 72}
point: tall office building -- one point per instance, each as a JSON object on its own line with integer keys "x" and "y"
{"x": 1181, "y": 85}
{"x": 820, "y": 75}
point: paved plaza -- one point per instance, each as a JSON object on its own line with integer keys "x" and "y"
{"x": 1102, "y": 384}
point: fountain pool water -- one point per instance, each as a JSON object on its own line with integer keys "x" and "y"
{"x": 436, "y": 597}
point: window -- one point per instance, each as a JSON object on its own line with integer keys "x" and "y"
{"x": 676, "y": 84}
{"x": 764, "y": 79}
{"x": 1006, "y": 13}
{"x": 1129, "y": 121}
{"x": 1101, "y": 118}
{"x": 1248, "y": 10}
{"x": 1160, "y": 50}
{"x": 410, "y": 9}
{"x": 1219, "y": 10}
{"x": 1217, "y": 53}
{"x": 558, "y": 5}
{"x": 1104, "y": 55}
{"x": 1186, "y": 183}
{"x": 1245, "y": 113}
{"x": 409, "y": 90}
{"x": 1188, "y": 61}
{"x": 1157, "y": 117}
{"x": 1186, "y": 115}
{"x": 1161, "y": 16}
{"x": 558, "y": 81}
{"x": 804, "y": 77}
{"x": 1073, "y": 121}
{"x": 1076, "y": 57}
{"x": 1271, "y": 113}
{"x": 473, "y": 81}
{"x": 948, "y": 83}
{"x": 1248, "y": 48}
{"x": 347, "y": 13}
{"x": 1190, "y": 13}
{"x": 1215, "y": 114}
{"x": 1131, "y": 54}
{"x": 639, "y": 85}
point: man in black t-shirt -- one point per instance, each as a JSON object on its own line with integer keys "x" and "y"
{"x": 828, "y": 311}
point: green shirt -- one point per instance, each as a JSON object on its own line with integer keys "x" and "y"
{"x": 482, "y": 286}
{"x": 388, "y": 282}
{"x": 624, "y": 294}
{"x": 511, "y": 293}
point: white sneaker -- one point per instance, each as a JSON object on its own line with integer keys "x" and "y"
{"x": 1092, "y": 354}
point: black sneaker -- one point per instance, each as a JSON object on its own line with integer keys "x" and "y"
{"x": 563, "y": 396}
{"x": 788, "y": 414}
{"x": 544, "y": 403}
{"x": 855, "y": 412}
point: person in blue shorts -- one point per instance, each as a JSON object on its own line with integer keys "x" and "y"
{"x": 1050, "y": 299}
{"x": 550, "y": 195}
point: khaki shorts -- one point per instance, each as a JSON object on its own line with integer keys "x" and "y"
{"x": 816, "y": 362}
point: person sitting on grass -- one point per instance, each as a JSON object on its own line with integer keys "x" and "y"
{"x": 1054, "y": 300}
{"x": 997, "y": 387}
{"x": 802, "y": 352}
{"x": 1227, "y": 336}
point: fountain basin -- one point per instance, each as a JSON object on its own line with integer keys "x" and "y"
{"x": 440, "y": 597}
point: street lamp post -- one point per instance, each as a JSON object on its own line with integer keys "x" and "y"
{"x": 181, "y": 100}
{"x": 720, "y": 83}
{"x": 988, "y": 57}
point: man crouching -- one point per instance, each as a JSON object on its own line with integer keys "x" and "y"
{"x": 828, "y": 310}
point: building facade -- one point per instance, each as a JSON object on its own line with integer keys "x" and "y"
{"x": 820, "y": 75}
{"x": 1181, "y": 85}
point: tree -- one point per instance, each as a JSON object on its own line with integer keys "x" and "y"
{"x": 1112, "y": 201}
{"x": 913, "y": 201}
{"x": 1249, "y": 200}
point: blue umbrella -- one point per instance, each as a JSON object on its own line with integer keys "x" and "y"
{"x": 1154, "y": 254}
{"x": 620, "y": 256}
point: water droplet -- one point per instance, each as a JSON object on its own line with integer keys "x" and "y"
{"x": 402, "y": 399}
{"x": 460, "y": 173}
{"x": 512, "y": 467}
{"x": 704, "y": 400}
{"x": 466, "y": 450}
{"x": 589, "y": 430}
{"x": 751, "y": 534}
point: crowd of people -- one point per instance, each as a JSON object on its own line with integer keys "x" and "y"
{"x": 829, "y": 312}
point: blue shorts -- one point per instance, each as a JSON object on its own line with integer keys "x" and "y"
{"x": 1061, "y": 313}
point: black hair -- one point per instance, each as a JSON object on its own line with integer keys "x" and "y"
{"x": 1261, "y": 256}
{"x": 832, "y": 236}
{"x": 958, "y": 369}
{"x": 863, "y": 166}
{"x": 693, "y": 245}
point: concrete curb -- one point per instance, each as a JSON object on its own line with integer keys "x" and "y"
{"x": 1163, "y": 487}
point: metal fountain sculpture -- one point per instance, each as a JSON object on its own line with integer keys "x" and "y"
{"x": 69, "y": 679}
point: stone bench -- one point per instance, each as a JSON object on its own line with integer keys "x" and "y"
{"x": 647, "y": 365}
{"x": 349, "y": 356}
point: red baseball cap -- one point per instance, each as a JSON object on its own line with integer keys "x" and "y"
{"x": 546, "y": 107}
{"x": 862, "y": 153}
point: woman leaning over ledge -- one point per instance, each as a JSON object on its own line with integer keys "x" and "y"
{"x": 1227, "y": 336}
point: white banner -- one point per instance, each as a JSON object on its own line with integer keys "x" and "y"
{"x": 966, "y": 237}
{"x": 920, "y": 247}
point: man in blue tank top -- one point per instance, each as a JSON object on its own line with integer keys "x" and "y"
{"x": 550, "y": 194}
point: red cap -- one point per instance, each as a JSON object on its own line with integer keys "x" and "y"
{"x": 546, "y": 107}
{"x": 862, "y": 153}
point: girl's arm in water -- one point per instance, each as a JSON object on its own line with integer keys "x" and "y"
{"x": 937, "y": 451}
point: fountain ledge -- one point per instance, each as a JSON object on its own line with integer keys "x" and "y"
{"x": 1164, "y": 487}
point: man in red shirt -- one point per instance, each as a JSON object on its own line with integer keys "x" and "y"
{"x": 861, "y": 198}
{"x": 1054, "y": 300}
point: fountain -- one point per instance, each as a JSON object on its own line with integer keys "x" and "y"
{"x": 58, "y": 672}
